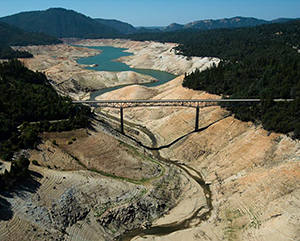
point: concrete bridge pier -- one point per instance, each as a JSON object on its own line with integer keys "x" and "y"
{"x": 197, "y": 118}
{"x": 122, "y": 120}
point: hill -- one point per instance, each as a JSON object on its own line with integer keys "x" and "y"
{"x": 27, "y": 96}
{"x": 264, "y": 63}
{"x": 61, "y": 23}
{"x": 12, "y": 36}
{"x": 235, "y": 22}
{"x": 258, "y": 62}
{"x": 124, "y": 28}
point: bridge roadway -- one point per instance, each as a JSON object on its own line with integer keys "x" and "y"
{"x": 200, "y": 103}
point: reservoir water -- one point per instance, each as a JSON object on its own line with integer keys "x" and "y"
{"x": 105, "y": 63}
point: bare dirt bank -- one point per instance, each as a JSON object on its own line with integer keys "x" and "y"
{"x": 253, "y": 174}
{"x": 99, "y": 187}
{"x": 70, "y": 78}
{"x": 254, "y": 177}
{"x": 154, "y": 55}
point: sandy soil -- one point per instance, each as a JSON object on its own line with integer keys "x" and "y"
{"x": 154, "y": 55}
{"x": 254, "y": 177}
{"x": 253, "y": 174}
{"x": 96, "y": 151}
{"x": 70, "y": 78}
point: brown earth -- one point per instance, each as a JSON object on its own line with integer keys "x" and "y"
{"x": 98, "y": 187}
{"x": 58, "y": 62}
{"x": 154, "y": 55}
{"x": 253, "y": 174}
{"x": 96, "y": 151}
{"x": 254, "y": 178}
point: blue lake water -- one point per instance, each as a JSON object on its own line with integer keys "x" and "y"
{"x": 105, "y": 63}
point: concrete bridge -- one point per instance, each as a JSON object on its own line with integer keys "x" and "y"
{"x": 197, "y": 104}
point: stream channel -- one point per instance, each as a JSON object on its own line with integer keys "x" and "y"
{"x": 105, "y": 62}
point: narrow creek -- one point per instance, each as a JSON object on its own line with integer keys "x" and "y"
{"x": 105, "y": 62}
{"x": 195, "y": 219}
{"x": 186, "y": 223}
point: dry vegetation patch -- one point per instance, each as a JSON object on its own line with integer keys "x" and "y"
{"x": 92, "y": 150}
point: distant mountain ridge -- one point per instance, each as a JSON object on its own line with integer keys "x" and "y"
{"x": 235, "y": 22}
{"x": 123, "y": 27}
{"x": 61, "y": 23}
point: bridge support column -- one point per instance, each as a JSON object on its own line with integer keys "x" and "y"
{"x": 197, "y": 118}
{"x": 122, "y": 121}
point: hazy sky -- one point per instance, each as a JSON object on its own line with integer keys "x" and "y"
{"x": 162, "y": 12}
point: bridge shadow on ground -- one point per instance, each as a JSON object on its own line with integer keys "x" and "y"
{"x": 153, "y": 148}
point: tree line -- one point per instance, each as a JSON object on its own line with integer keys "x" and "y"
{"x": 27, "y": 96}
{"x": 257, "y": 62}
{"x": 13, "y": 36}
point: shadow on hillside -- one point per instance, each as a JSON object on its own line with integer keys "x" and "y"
{"x": 21, "y": 189}
{"x": 176, "y": 140}
{"x": 27, "y": 186}
{"x": 6, "y": 212}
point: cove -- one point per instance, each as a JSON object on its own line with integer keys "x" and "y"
{"x": 105, "y": 63}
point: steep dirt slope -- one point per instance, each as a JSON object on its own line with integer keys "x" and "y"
{"x": 254, "y": 175}
{"x": 69, "y": 77}
{"x": 154, "y": 55}
{"x": 98, "y": 188}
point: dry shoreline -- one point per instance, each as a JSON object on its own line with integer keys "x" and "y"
{"x": 254, "y": 176}
{"x": 70, "y": 78}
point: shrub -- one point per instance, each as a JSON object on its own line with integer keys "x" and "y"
{"x": 69, "y": 142}
{"x": 35, "y": 162}
{"x": 73, "y": 138}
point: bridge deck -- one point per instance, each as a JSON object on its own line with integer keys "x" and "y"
{"x": 185, "y": 103}
{"x": 201, "y": 103}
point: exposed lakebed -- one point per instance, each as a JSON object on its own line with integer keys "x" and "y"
{"x": 106, "y": 62}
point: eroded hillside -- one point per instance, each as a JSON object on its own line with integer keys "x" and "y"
{"x": 104, "y": 184}
{"x": 68, "y": 77}
{"x": 253, "y": 174}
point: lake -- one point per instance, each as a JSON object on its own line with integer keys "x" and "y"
{"x": 105, "y": 63}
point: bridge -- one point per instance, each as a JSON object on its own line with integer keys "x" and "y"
{"x": 200, "y": 103}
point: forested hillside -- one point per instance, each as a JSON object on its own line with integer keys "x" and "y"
{"x": 61, "y": 23}
{"x": 261, "y": 62}
{"x": 258, "y": 62}
{"x": 235, "y": 22}
{"x": 124, "y": 28}
{"x": 25, "y": 97}
{"x": 12, "y": 36}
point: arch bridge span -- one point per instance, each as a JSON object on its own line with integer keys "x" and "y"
{"x": 198, "y": 103}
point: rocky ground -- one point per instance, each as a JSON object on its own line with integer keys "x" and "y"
{"x": 154, "y": 55}
{"x": 104, "y": 184}
{"x": 68, "y": 77}
{"x": 96, "y": 188}
{"x": 253, "y": 174}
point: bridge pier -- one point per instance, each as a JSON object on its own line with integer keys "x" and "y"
{"x": 122, "y": 120}
{"x": 197, "y": 118}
